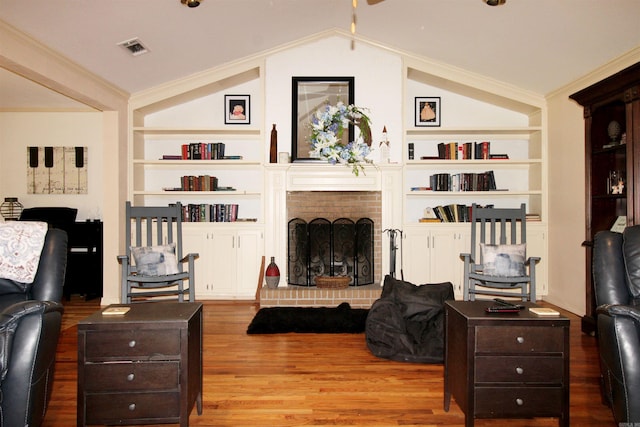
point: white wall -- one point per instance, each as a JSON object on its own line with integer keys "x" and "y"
{"x": 19, "y": 130}
{"x": 378, "y": 85}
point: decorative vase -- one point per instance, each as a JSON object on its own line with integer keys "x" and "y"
{"x": 272, "y": 275}
{"x": 273, "y": 149}
{"x": 613, "y": 130}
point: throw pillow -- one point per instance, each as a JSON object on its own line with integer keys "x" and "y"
{"x": 503, "y": 260}
{"x": 21, "y": 244}
{"x": 155, "y": 260}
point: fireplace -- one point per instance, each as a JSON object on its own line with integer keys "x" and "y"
{"x": 314, "y": 190}
{"x": 324, "y": 248}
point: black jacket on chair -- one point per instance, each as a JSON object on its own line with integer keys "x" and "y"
{"x": 30, "y": 319}
{"x": 616, "y": 274}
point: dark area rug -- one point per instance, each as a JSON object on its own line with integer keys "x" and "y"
{"x": 322, "y": 320}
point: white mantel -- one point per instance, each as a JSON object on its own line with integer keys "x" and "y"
{"x": 281, "y": 178}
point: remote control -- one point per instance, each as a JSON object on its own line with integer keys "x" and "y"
{"x": 507, "y": 303}
{"x": 502, "y": 309}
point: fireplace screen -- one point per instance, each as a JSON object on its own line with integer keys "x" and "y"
{"x": 324, "y": 248}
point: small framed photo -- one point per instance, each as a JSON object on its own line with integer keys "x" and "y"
{"x": 427, "y": 111}
{"x": 237, "y": 109}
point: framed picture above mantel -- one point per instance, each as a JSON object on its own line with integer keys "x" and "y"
{"x": 309, "y": 94}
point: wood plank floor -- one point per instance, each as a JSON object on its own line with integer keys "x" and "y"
{"x": 318, "y": 379}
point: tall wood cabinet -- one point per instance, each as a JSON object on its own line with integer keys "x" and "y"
{"x": 612, "y": 153}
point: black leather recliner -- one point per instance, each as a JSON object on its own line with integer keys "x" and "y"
{"x": 616, "y": 274}
{"x": 30, "y": 321}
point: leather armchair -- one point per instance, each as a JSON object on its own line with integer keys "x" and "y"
{"x": 30, "y": 321}
{"x": 616, "y": 274}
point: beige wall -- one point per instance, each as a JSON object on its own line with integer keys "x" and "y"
{"x": 30, "y": 59}
{"x": 567, "y": 189}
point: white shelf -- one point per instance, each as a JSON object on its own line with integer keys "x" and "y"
{"x": 227, "y": 132}
{"x": 496, "y": 193}
{"x": 230, "y": 163}
{"x": 196, "y": 193}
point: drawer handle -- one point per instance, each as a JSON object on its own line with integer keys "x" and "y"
{"x": 519, "y": 370}
{"x": 520, "y": 340}
{"x": 132, "y": 406}
{"x": 132, "y": 343}
{"x": 131, "y": 377}
{"x": 519, "y": 402}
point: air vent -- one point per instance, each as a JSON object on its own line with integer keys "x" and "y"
{"x": 134, "y": 46}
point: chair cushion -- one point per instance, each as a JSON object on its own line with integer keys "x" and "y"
{"x": 20, "y": 248}
{"x": 503, "y": 260}
{"x": 155, "y": 260}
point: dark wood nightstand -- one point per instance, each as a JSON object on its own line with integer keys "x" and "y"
{"x": 506, "y": 365}
{"x": 143, "y": 367}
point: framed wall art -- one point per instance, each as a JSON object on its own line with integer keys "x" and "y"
{"x": 427, "y": 111}
{"x": 237, "y": 109}
{"x": 309, "y": 94}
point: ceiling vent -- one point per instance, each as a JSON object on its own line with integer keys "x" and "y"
{"x": 134, "y": 46}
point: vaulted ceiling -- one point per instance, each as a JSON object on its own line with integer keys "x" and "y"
{"x": 538, "y": 45}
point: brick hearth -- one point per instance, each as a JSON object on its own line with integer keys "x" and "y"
{"x": 300, "y": 296}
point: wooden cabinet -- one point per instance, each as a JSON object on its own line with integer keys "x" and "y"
{"x": 505, "y": 365}
{"x": 143, "y": 367}
{"x": 611, "y": 157}
{"x": 229, "y": 261}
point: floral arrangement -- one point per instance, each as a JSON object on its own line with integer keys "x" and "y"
{"x": 327, "y": 126}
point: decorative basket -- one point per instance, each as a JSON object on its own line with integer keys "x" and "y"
{"x": 332, "y": 282}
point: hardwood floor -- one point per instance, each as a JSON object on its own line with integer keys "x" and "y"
{"x": 318, "y": 379}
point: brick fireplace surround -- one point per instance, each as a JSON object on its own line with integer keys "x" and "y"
{"x": 330, "y": 192}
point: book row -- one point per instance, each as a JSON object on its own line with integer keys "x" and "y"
{"x": 465, "y": 151}
{"x": 455, "y": 212}
{"x": 484, "y": 181}
{"x": 199, "y": 183}
{"x": 210, "y": 212}
{"x": 201, "y": 151}
{"x": 448, "y": 213}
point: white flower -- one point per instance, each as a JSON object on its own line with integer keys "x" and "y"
{"x": 327, "y": 126}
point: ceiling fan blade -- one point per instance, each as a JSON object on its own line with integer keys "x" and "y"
{"x": 373, "y": 2}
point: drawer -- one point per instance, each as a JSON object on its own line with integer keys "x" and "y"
{"x": 518, "y": 402}
{"x": 132, "y": 345}
{"x": 131, "y": 376}
{"x": 520, "y": 369}
{"x": 110, "y": 408}
{"x": 519, "y": 339}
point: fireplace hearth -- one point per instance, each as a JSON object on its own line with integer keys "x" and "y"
{"x": 342, "y": 247}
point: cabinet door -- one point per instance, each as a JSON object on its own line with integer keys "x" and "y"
{"x": 196, "y": 239}
{"x": 223, "y": 261}
{"x": 249, "y": 253}
{"x": 536, "y": 246}
{"x": 416, "y": 265}
{"x": 446, "y": 264}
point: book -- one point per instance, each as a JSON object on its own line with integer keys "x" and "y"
{"x": 115, "y": 311}
{"x": 544, "y": 311}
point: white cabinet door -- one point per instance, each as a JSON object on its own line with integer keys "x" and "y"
{"x": 446, "y": 264}
{"x": 223, "y": 262}
{"x": 537, "y": 246}
{"x": 416, "y": 255}
{"x": 249, "y": 254}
